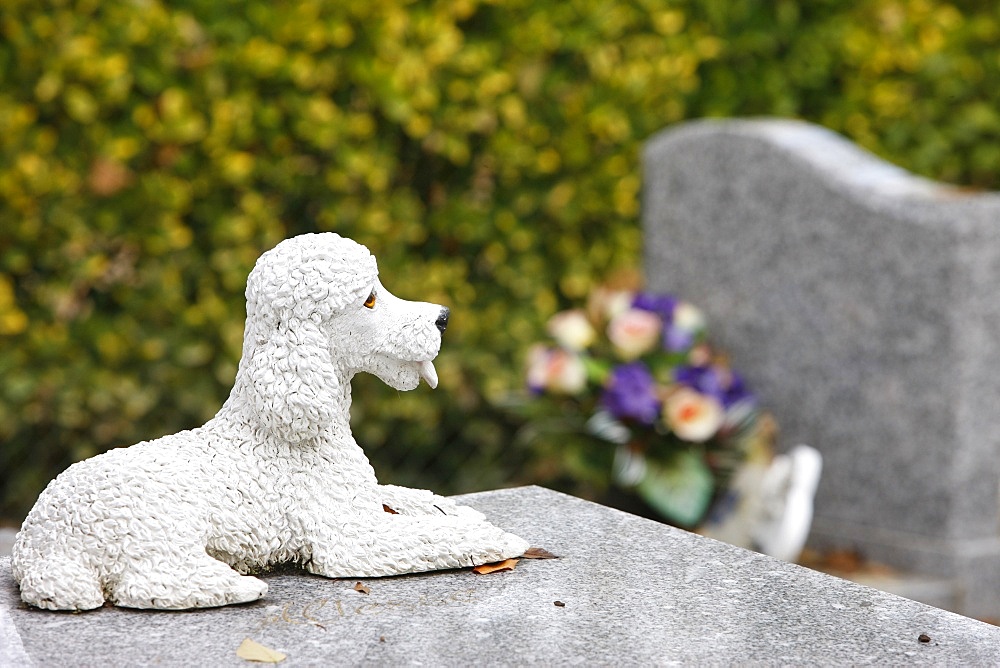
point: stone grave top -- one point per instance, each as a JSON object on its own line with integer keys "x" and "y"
{"x": 625, "y": 590}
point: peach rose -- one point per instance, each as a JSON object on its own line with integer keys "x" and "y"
{"x": 693, "y": 416}
{"x": 634, "y": 332}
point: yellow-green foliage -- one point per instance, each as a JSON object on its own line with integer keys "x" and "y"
{"x": 486, "y": 152}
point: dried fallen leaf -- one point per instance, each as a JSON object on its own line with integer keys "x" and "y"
{"x": 389, "y": 510}
{"x": 485, "y": 569}
{"x": 254, "y": 651}
{"x": 361, "y": 588}
{"x": 538, "y": 553}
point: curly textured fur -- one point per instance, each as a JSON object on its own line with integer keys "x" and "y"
{"x": 275, "y": 476}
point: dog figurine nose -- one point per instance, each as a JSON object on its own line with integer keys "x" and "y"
{"x": 442, "y": 320}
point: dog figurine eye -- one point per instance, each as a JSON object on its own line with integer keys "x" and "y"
{"x": 370, "y": 302}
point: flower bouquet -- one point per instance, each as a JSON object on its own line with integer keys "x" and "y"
{"x": 633, "y": 373}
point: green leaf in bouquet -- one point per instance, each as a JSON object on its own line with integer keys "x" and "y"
{"x": 680, "y": 490}
{"x": 597, "y": 370}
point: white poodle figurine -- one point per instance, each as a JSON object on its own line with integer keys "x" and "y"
{"x": 275, "y": 477}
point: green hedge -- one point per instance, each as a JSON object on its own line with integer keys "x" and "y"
{"x": 485, "y": 151}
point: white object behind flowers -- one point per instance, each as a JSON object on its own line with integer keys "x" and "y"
{"x": 774, "y": 504}
{"x": 275, "y": 476}
{"x": 788, "y": 490}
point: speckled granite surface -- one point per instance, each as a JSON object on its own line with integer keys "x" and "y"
{"x": 634, "y": 592}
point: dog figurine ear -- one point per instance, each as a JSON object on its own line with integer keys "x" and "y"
{"x": 287, "y": 375}
{"x": 292, "y": 382}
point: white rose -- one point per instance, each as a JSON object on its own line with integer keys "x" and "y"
{"x": 567, "y": 374}
{"x": 688, "y": 318}
{"x": 556, "y": 370}
{"x": 538, "y": 360}
{"x": 571, "y": 329}
{"x": 693, "y": 416}
{"x": 634, "y": 332}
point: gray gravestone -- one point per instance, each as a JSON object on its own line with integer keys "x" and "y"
{"x": 6, "y": 540}
{"x": 863, "y": 304}
{"x": 634, "y": 592}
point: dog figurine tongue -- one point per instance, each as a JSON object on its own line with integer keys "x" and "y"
{"x": 429, "y": 373}
{"x": 185, "y": 520}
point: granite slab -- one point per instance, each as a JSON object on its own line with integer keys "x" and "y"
{"x": 633, "y": 592}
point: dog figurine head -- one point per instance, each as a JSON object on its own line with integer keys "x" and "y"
{"x": 316, "y": 315}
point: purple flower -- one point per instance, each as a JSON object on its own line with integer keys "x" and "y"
{"x": 677, "y": 340}
{"x": 631, "y": 394}
{"x": 726, "y": 386}
{"x": 706, "y": 379}
{"x": 737, "y": 390}
{"x": 661, "y": 305}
